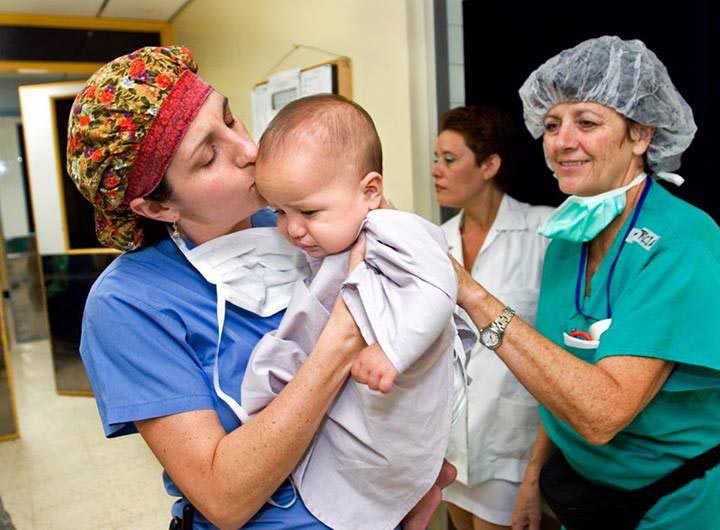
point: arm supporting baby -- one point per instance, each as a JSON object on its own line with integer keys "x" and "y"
{"x": 229, "y": 476}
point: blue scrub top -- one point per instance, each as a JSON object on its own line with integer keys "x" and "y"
{"x": 148, "y": 343}
{"x": 665, "y": 303}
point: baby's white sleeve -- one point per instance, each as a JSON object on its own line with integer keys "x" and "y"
{"x": 403, "y": 295}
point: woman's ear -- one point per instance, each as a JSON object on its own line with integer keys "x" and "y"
{"x": 641, "y": 136}
{"x": 372, "y": 189}
{"x": 490, "y": 166}
{"x": 158, "y": 211}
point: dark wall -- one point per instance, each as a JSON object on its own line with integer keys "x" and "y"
{"x": 79, "y": 212}
{"x": 42, "y": 43}
{"x": 506, "y": 41}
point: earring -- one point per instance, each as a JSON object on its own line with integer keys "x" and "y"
{"x": 175, "y": 232}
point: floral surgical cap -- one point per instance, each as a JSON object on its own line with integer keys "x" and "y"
{"x": 125, "y": 126}
{"x": 623, "y": 75}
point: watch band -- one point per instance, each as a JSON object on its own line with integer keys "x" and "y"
{"x": 502, "y": 321}
{"x": 491, "y": 336}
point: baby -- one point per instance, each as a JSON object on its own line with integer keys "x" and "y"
{"x": 320, "y": 167}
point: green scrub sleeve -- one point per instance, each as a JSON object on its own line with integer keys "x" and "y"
{"x": 671, "y": 311}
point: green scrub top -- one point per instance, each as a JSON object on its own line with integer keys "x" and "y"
{"x": 665, "y": 304}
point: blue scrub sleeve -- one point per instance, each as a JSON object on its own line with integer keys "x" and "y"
{"x": 138, "y": 362}
{"x": 671, "y": 311}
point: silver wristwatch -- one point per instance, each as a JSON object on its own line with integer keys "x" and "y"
{"x": 491, "y": 336}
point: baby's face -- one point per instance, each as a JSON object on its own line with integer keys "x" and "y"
{"x": 320, "y": 205}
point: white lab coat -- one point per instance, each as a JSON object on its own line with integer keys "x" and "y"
{"x": 495, "y": 440}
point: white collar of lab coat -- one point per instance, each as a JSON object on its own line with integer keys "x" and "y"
{"x": 510, "y": 216}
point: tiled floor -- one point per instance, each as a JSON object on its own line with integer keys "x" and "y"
{"x": 63, "y": 474}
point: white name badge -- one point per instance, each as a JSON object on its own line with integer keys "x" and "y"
{"x": 644, "y": 237}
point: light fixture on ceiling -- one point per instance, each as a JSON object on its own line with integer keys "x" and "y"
{"x": 32, "y": 71}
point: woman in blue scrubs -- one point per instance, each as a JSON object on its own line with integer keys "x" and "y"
{"x": 626, "y": 359}
{"x": 169, "y": 170}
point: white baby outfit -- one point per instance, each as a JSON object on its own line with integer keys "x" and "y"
{"x": 375, "y": 455}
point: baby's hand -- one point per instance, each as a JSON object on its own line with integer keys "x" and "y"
{"x": 374, "y": 369}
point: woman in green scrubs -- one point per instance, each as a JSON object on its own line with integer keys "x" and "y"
{"x": 626, "y": 359}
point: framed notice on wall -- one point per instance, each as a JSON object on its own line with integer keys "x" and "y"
{"x": 268, "y": 97}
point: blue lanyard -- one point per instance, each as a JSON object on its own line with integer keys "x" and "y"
{"x": 585, "y": 249}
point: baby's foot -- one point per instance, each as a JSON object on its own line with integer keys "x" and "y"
{"x": 420, "y": 516}
{"x": 447, "y": 475}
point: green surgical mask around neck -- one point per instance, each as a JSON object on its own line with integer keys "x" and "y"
{"x": 580, "y": 219}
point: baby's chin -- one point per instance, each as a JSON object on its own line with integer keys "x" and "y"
{"x": 316, "y": 251}
{"x": 313, "y": 251}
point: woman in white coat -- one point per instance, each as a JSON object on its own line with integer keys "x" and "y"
{"x": 495, "y": 238}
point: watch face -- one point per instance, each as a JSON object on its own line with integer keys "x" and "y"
{"x": 490, "y": 338}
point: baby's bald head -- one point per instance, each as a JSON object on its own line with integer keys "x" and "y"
{"x": 332, "y": 127}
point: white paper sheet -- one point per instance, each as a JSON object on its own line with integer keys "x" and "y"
{"x": 317, "y": 81}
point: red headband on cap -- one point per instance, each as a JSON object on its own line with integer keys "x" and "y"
{"x": 165, "y": 134}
